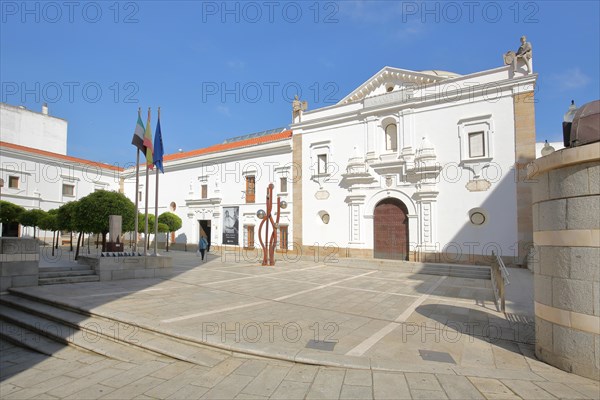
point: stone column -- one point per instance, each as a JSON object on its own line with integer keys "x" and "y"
{"x": 406, "y": 131}
{"x": 297, "y": 173}
{"x": 566, "y": 234}
{"x": 354, "y": 208}
{"x": 371, "y": 133}
{"x": 524, "y": 109}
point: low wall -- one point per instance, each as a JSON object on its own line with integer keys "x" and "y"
{"x": 19, "y": 262}
{"x": 566, "y": 235}
{"x": 118, "y": 268}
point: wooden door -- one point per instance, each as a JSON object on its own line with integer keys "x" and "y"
{"x": 390, "y": 228}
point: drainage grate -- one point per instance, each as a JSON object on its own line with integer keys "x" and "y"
{"x": 320, "y": 345}
{"x": 438, "y": 356}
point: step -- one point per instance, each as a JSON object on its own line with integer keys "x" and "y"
{"x": 68, "y": 279}
{"x": 89, "y": 339}
{"x": 65, "y": 268}
{"x": 65, "y": 273}
{"x": 28, "y": 339}
{"x": 133, "y": 336}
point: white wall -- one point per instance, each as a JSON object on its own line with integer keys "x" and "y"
{"x": 224, "y": 173}
{"x": 41, "y": 179}
{"x": 33, "y": 129}
{"x": 438, "y": 119}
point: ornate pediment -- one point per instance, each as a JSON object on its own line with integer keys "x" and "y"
{"x": 390, "y": 80}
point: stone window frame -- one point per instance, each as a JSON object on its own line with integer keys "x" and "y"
{"x": 72, "y": 181}
{"x": 472, "y": 125}
{"x": 319, "y": 150}
{"x": 381, "y": 142}
{"x": 393, "y": 147}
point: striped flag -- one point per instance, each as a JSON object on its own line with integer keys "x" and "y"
{"x": 158, "y": 146}
{"x": 138, "y": 134}
{"x": 148, "y": 143}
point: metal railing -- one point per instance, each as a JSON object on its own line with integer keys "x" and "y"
{"x": 499, "y": 281}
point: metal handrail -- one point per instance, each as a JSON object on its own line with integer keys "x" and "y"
{"x": 503, "y": 269}
{"x": 499, "y": 281}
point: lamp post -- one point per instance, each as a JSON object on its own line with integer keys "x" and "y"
{"x": 268, "y": 245}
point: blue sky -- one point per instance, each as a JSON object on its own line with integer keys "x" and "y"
{"x": 220, "y": 70}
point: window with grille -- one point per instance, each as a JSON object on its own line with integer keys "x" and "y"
{"x": 13, "y": 182}
{"x": 283, "y": 237}
{"x": 68, "y": 190}
{"x": 476, "y": 144}
{"x": 250, "y": 184}
{"x": 322, "y": 164}
{"x": 249, "y": 236}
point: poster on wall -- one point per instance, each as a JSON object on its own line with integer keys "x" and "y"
{"x": 230, "y": 225}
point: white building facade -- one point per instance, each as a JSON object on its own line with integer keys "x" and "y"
{"x": 217, "y": 191}
{"x": 426, "y": 166}
{"x": 34, "y": 177}
{"x": 420, "y": 165}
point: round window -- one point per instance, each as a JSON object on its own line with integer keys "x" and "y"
{"x": 325, "y": 218}
{"x": 477, "y": 218}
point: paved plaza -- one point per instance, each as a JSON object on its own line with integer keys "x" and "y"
{"x": 303, "y": 329}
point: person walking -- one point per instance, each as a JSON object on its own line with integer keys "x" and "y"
{"x": 202, "y": 246}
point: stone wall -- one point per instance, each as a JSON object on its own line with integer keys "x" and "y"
{"x": 566, "y": 222}
{"x": 19, "y": 262}
{"x": 118, "y": 268}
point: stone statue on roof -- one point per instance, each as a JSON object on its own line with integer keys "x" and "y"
{"x": 297, "y": 108}
{"x": 525, "y": 53}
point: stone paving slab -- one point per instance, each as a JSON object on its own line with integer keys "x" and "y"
{"x": 275, "y": 311}
{"x": 420, "y": 312}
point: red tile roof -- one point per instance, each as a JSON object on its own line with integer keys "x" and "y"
{"x": 59, "y": 156}
{"x": 169, "y": 157}
{"x": 230, "y": 146}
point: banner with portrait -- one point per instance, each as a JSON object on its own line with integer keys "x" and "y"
{"x": 231, "y": 225}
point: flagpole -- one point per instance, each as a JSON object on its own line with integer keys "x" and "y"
{"x": 156, "y": 205}
{"x": 137, "y": 189}
{"x": 137, "y": 206}
{"x": 146, "y": 213}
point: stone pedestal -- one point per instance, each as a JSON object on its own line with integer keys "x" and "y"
{"x": 566, "y": 222}
{"x": 19, "y": 262}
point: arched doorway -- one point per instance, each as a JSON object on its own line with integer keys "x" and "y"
{"x": 390, "y": 230}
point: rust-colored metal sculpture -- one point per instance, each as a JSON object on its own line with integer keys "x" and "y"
{"x": 267, "y": 217}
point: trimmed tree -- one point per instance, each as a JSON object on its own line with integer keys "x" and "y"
{"x": 9, "y": 212}
{"x": 65, "y": 219}
{"x": 172, "y": 221}
{"x": 93, "y": 212}
{"x": 32, "y": 218}
{"x": 142, "y": 227}
{"x": 163, "y": 228}
{"x": 49, "y": 223}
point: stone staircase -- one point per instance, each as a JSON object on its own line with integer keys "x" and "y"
{"x": 69, "y": 274}
{"x": 426, "y": 268}
{"x": 46, "y": 327}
